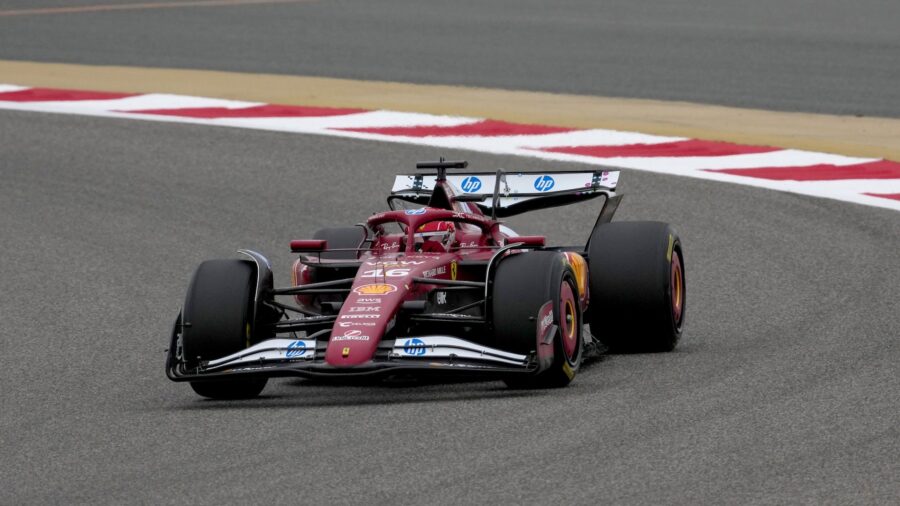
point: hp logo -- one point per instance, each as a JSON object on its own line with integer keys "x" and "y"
{"x": 296, "y": 349}
{"x": 544, "y": 183}
{"x": 414, "y": 346}
{"x": 471, "y": 184}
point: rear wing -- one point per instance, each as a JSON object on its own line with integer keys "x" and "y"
{"x": 502, "y": 194}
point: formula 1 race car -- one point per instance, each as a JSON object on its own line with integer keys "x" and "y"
{"x": 437, "y": 285}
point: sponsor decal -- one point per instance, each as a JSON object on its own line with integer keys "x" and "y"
{"x": 390, "y": 245}
{"x": 440, "y": 298}
{"x": 365, "y": 309}
{"x": 414, "y": 347}
{"x": 471, "y": 184}
{"x": 395, "y": 263}
{"x": 368, "y": 300}
{"x": 376, "y": 289}
{"x": 467, "y": 216}
{"x": 364, "y": 316}
{"x": 453, "y": 270}
{"x": 296, "y": 349}
{"x": 471, "y": 244}
{"x": 356, "y": 324}
{"x": 345, "y": 352}
{"x": 545, "y": 322}
{"x": 544, "y": 183}
{"x": 437, "y": 271}
{"x": 351, "y": 338}
{"x": 413, "y": 212}
{"x": 351, "y": 335}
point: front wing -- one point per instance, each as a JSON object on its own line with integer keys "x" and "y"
{"x": 435, "y": 354}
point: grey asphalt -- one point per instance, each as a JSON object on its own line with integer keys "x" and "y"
{"x": 830, "y": 56}
{"x": 784, "y": 389}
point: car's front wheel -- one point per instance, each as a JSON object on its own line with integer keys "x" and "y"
{"x": 528, "y": 288}
{"x": 217, "y": 322}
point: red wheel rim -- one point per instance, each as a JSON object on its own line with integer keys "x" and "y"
{"x": 676, "y": 289}
{"x": 568, "y": 320}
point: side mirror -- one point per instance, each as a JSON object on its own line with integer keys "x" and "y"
{"x": 308, "y": 245}
{"x": 526, "y": 240}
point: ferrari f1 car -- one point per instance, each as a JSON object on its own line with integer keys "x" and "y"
{"x": 438, "y": 285}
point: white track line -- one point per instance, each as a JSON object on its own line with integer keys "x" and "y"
{"x": 848, "y": 190}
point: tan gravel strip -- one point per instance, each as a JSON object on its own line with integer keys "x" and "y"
{"x": 855, "y": 136}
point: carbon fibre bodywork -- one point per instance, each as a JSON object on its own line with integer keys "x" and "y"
{"x": 412, "y": 298}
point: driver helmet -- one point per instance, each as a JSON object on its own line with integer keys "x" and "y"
{"x": 435, "y": 236}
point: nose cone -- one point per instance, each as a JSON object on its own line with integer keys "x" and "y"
{"x": 368, "y": 313}
{"x": 363, "y": 320}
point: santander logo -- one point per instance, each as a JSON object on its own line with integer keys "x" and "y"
{"x": 351, "y": 335}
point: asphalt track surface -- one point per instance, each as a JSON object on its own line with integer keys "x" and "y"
{"x": 783, "y": 390}
{"x": 824, "y": 56}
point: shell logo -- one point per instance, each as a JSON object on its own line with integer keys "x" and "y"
{"x": 376, "y": 289}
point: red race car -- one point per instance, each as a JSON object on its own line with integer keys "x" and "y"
{"x": 438, "y": 285}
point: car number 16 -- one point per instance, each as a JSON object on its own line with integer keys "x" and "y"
{"x": 381, "y": 273}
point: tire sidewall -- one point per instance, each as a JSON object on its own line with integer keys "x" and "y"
{"x": 536, "y": 278}
{"x": 630, "y": 267}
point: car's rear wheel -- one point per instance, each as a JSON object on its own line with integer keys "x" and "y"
{"x": 523, "y": 284}
{"x": 349, "y": 239}
{"x": 637, "y": 286}
{"x": 217, "y": 317}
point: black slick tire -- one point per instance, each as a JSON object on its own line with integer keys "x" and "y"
{"x": 217, "y": 322}
{"x": 637, "y": 286}
{"x": 522, "y": 285}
